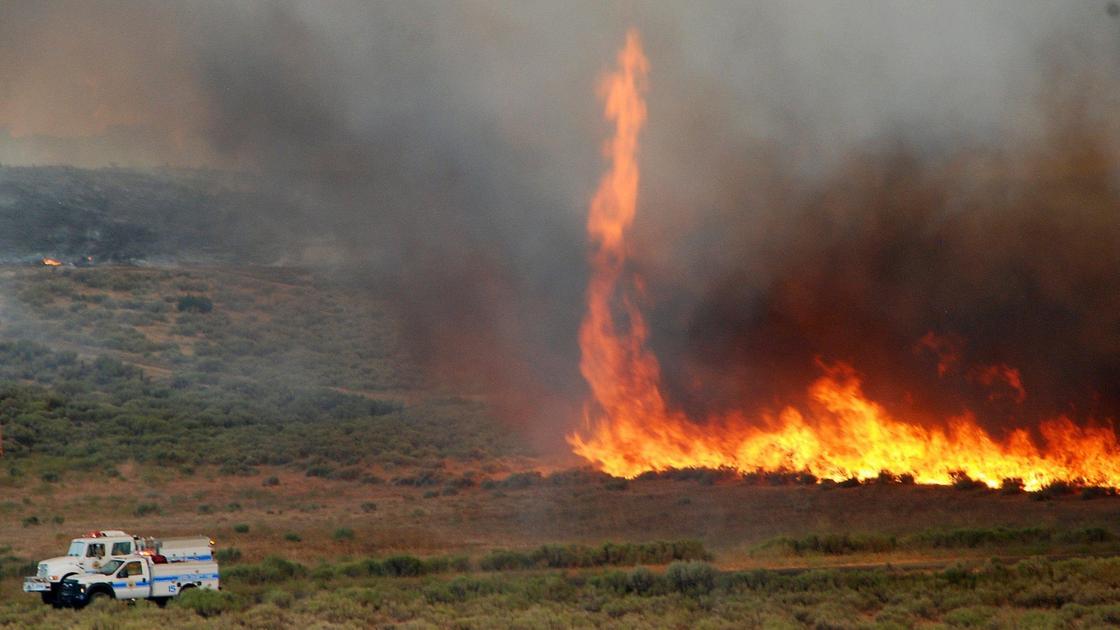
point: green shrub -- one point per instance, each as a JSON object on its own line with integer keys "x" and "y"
{"x": 1087, "y": 535}
{"x": 145, "y": 509}
{"x": 241, "y": 528}
{"x": 228, "y": 554}
{"x": 31, "y": 521}
{"x": 239, "y": 469}
{"x": 504, "y": 560}
{"x": 195, "y": 304}
{"x": 518, "y": 481}
{"x": 462, "y": 588}
{"x": 641, "y": 581}
{"x": 207, "y": 602}
{"x": 271, "y": 481}
{"x": 278, "y": 597}
{"x": 607, "y": 554}
{"x": 292, "y": 537}
{"x": 402, "y": 566}
{"x": 369, "y": 506}
{"x": 461, "y": 564}
{"x": 50, "y": 477}
{"x": 271, "y": 570}
{"x": 838, "y": 544}
{"x": 343, "y": 533}
{"x": 976, "y": 537}
{"x": 691, "y": 578}
{"x": 347, "y": 474}
{"x": 324, "y": 572}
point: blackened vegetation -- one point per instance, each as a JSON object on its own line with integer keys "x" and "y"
{"x": 195, "y": 304}
{"x": 961, "y": 481}
{"x": 713, "y": 476}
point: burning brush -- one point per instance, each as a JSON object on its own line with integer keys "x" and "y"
{"x": 839, "y": 433}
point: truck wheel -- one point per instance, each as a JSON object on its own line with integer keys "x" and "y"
{"x": 48, "y": 597}
{"x": 97, "y": 596}
{"x": 160, "y": 601}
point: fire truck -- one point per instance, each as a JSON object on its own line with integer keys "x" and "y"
{"x": 140, "y": 576}
{"x": 96, "y": 549}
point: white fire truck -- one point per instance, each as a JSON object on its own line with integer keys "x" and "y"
{"x": 96, "y": 549}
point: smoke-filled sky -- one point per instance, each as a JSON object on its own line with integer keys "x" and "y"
{"x": 832, "y": 179}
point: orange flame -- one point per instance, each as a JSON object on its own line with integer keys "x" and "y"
{"x": 51, "y": 262}
{"x": 631, "y": 429}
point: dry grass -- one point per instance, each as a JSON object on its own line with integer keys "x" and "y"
{"x": 733, "y": 518}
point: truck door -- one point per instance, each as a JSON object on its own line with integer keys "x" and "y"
{"x": 131, "y": 581}
{"x": 95, "y": 555}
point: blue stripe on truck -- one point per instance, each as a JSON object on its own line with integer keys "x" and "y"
{"x": 186, "y": 577}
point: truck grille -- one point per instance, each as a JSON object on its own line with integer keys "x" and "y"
{"x": 70, "y": 593}
{"x": 42, "y": 570}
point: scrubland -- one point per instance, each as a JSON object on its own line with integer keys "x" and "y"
{"x": 280, "y": 415}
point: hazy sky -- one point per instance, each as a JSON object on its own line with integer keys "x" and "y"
{"x": 228, "y": 84}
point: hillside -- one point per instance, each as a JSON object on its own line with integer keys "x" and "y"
{"x": 122, "y": 215}
{"x": 230, "y": 367}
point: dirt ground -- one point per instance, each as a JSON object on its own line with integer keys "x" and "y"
{"x": 732, "y": 518}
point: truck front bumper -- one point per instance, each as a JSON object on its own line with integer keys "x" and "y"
{"x": 70, "y": 593}
{"x": 36, "y": 585}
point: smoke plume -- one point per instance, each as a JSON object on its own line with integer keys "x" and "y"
{"x": 835, "y": 181}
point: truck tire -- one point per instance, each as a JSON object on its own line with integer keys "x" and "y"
{"x": 160, "y": 601}
{"x": 96, "y": 596}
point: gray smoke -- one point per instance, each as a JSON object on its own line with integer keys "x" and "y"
{"x": 819, "y": 179}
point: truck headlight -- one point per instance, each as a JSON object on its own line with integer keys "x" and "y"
{"x": 54, "y": 578}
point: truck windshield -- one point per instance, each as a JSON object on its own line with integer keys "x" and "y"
{"x": 110, "y": 567}
{"x": 77, "y": 549}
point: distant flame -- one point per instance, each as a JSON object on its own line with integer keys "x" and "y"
{"x": 51, "y": 262}
{"x": 631, "y": 429}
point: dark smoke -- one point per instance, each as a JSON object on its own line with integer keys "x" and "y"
{"x": 830, "y": 180}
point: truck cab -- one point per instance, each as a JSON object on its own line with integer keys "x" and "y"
{"x": 87, "y": 553}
